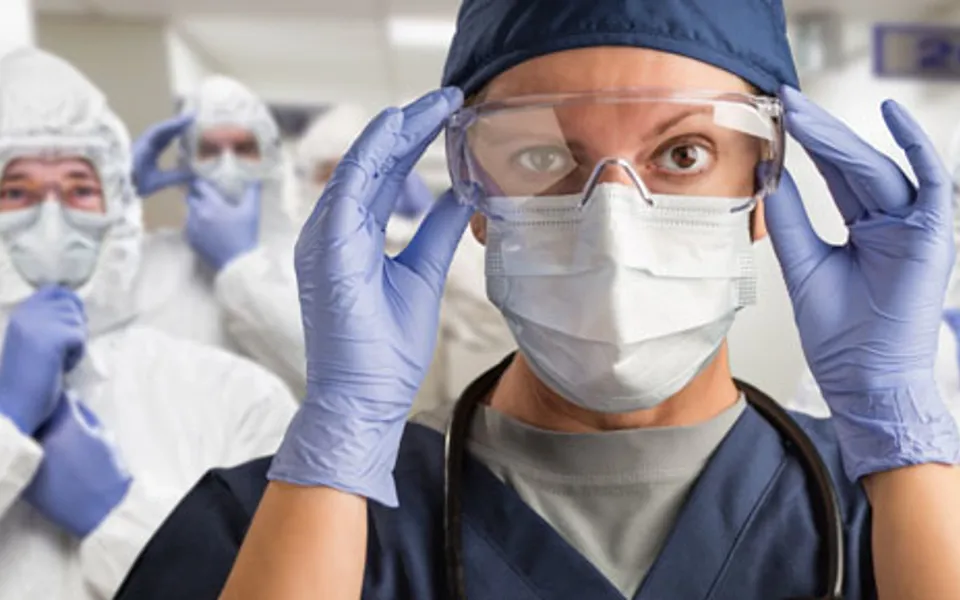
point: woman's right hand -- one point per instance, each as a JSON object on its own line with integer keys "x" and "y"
{"x": 370, "y": 321}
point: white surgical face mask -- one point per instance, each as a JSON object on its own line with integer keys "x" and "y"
{"x": 46, "y": 247}
{"x": 619, "y": 305}
{"x": 229, "y": 174}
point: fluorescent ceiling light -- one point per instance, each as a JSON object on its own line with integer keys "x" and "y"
{"x": 422, "y": 33}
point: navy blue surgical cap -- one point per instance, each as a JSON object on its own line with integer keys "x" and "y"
{"x": 745, "y": 37}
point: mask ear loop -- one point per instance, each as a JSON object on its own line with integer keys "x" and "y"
{"x": 594, "y": 180}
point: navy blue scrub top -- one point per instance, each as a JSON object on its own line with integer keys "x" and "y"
{"x": 747, "y": 531}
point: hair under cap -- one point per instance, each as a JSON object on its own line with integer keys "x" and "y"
{"x": 745, "y": 37}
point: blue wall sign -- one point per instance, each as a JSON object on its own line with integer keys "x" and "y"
{"x": 916, "y": 51}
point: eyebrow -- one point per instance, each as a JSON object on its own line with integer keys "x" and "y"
{"x": 14, "y": 177}
{"x": 497, "y": 135}
{"x": 79, "y": 174}
{"x": 669, "y": 124}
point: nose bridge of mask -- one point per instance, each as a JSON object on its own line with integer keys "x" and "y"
{"x": 35, "y": 249}
{"x": 616, "y": 228}
{"x": 228, "y": 175}
{"x": 50, "y": 223}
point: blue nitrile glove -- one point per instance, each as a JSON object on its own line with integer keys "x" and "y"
{"x": 952, "y": 317}
{"x": 80, "y": 480}
{"x": 220, "y": 230}
{"x": 370, "y": 321}
{"x": 415, "y": 198}
{"x": 148, "y": 177}
{"x": 44, "y": 340}
{"x": 869, "y": 311}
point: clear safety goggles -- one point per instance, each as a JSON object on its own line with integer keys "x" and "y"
{"x": 73, "y": 198}
{"x": 670, "y": 145}
{"x": 207, "y": 155}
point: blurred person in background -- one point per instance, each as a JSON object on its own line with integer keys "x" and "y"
{"x": 104, "y": 424}
{"x": 226, "y": 279}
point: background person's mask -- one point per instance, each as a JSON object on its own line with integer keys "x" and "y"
{"x": 619, "y": 305}
{"x": 46, "y": 247}
{"x": 230, "y": 176}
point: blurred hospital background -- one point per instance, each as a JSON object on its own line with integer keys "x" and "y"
{"x": 308, "y": 56}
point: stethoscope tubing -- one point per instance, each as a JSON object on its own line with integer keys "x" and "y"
{"x": 825, "y": 500}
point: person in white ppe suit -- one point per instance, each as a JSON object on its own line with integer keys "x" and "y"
{"x": 227, "y": 278}
{"x": 104, "y": 424}
{"x": 472, "y": 333}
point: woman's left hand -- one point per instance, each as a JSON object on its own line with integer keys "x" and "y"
{"x": 869, "y": 311}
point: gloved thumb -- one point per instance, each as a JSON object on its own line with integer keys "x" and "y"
{"x": 83, "y": 415}
{"x": 794, "y": 240}
{"x": 164, "y": 179}
{"x": 431, "y": 250}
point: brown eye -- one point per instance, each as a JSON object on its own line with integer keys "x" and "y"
{"x": 685, "y": 158}
{"x": 249, "y": 150}
{"x": 207, "y": 150}
{"x": 16, "y": 197}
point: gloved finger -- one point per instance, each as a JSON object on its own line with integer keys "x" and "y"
{"x": 422, "y": 122}
{"x": 431, "y": 250}
{"x": 66, "y": 314}
{"x": 83, "y": 414}
{"x": 877, "y": 182}
{"x": 73, "y": 349}
{"x": 205, "y": 196}
{"x": 172, "y": 177}
{"x": 159, "y": 136}
{"x": 357, "y": 174}
{"x": 209, "y": 192}
{"x": 796, "y": 244}
{"x": 931, "y": 173}
{"x": 69, "y": 299}
{"x": 62, "y": 412}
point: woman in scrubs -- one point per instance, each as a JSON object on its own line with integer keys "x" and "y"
{"x": 613, "y": 157}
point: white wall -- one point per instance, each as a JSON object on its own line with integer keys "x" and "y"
{"x": 764, "y": 344}
{"x": 16, "y": 24}
{"x": 187, "y": 68}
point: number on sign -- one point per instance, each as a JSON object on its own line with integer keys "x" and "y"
{"x": 937, "y": 54}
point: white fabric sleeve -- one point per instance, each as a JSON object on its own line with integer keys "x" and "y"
{"x": 108, "y": 553}
{"x": 258, "y": 409}
{"x": 808, "y": 398}
{"x": 20, "y": 457}
{"x": 262, "y": 315}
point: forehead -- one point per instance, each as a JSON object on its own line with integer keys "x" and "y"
{"x": 225, "y": 134}
{"x": 587, "y": 69}
{"x": 35, "y": 167}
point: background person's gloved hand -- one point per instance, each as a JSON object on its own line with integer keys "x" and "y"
{"x": 869, "y": 311}
{"x": 370, "y": 321}
{"x": 44, "y": 340}
{"x": 219, "y": 230}
{"x": 148, "y": 177}
{"x": 80, "y": 480}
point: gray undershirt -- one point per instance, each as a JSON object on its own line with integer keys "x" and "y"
{"x": 612, "y": 496}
